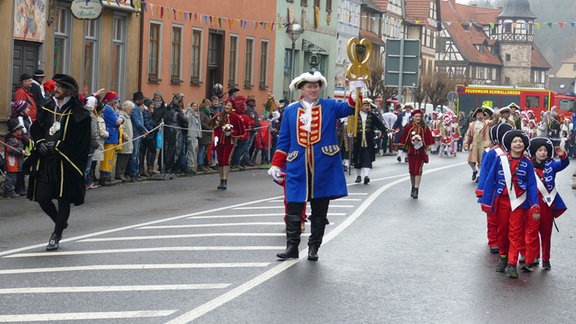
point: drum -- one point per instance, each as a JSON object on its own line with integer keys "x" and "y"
{"x": 436, "y": 132}
{"x": 455, "y": 136}
{"x": 446, "y": 141}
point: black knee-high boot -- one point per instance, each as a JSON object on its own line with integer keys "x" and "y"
{"x": 316, "y": 235}
{"x": 293, "y": 232}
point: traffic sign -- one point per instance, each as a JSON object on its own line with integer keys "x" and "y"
{"x": 402, "y": 63}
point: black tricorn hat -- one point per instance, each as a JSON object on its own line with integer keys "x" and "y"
{"x": 67, "y": 82}
{"x": 537, "y": 142}
{"x": 137, "y": 95}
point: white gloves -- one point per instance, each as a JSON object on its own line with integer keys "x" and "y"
{"x": 357, "y": 84}
{"x": 275, "y": 172}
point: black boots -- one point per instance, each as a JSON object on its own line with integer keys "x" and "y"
{"x": 292, "y": 238}
{"x": 317, "y": 229}
{"x": 223, "y": 185}
{"x": 313, "y": 253}
{"x": 414, "y": 193}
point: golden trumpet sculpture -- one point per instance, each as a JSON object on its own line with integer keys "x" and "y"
{"x": 359, "y": 54}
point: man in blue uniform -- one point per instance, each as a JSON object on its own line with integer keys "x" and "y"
{"x": 308, "y": 150}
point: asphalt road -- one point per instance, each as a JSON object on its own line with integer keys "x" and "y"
{"x": 179, "y": 250}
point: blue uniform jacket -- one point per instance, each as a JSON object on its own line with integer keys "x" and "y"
{"x": 551, "y": 167}
{"x": 312, "y": 159}
{"x": 495, "y": 183}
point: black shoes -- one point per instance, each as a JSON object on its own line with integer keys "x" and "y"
{"x": 366, "y": 180}
{"x": 502, "y": 264}
{"x": 512, "y": 272}
{"x": 313, "y": 253}
{"x": 399, "y": 159}
{"x": 474, "y": 174}
{"x": 53, "y": 243}
{"x": 546, "y": 265}
{"x": 223, "y": 185}
{"x": 527, "y": 268}
{"x": 358, "y": 179}
{"x": 414, "y": 193}
{"x": 494, "y": 249}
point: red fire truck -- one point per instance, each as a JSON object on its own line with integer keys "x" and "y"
{"x": 535, "y": 99}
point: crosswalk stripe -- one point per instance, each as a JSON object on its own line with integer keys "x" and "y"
{"x": 136, "y": 267}
{"x": 147, "y": 250}
{"x": 84, "y": 316}
{"x": 213, "y": 225}
{"x": 160, "y": 237}
{"x": 252, "y": 215}
{"x": 80, "y": 289}
{"x": 277, "y": 207}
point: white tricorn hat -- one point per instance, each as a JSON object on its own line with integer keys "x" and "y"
{"x": 306, "y": 77}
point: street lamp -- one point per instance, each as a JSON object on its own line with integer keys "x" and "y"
{"x": 294, "y": 31}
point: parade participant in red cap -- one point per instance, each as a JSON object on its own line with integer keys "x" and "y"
{"x": 57, "y": 163}
{"x": 416, "y": 139}
{"x": 228, "y": 127}
{"x": 113, "y": 121}
{"x": 308, "y": 150}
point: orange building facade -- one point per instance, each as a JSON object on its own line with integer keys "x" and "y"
{"x": 190, "y": 47}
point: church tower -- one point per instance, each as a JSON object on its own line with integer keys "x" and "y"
{"x": 515, "y": 34}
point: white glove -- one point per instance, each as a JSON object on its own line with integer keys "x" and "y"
{"x": 275, "y": 172}
{"x": 358, "y": 84}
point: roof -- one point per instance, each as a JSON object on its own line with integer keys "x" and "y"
{"x": 455, "y": 16}
{"x": 538, "y": 59}
{"x": 517, "y": 9}
{"x": 371, "y": 4}
{"x": 417, "y": 9}
{"x": 372, "y": 37}
{"x": 382, "y": 4}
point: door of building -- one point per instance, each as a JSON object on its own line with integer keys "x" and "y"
{"x": 24, "y": 61}
{"x": 214, "y": 71}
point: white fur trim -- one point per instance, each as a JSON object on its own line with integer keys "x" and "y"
{"x": 308, "y": 77}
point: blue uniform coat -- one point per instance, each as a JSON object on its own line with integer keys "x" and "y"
{"x": 312, "y": 159}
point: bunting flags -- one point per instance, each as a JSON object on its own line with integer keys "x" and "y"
{"x": 220, "y": 22}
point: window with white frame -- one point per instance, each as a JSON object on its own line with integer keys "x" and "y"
{"x": 248, "y": 63}
{"x": 195, "y": 56}
{"x": 154, "y": 42}
{"x": 176, "y": 55}
{"x": 233, "y": 61}
{"x": 118, "y": 52}
{"x": 62, "y": 18}
{"x": 263, "y": 80}
{"x": 91, "y": 54}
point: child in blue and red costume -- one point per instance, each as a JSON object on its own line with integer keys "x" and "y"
{"x": 496, "y": 134}
{"x": 510, "y": 192}
{"x": 551, "y": 204}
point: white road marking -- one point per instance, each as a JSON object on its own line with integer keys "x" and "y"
{"x": 236, "y": 292}
{"x": 147, "y": 250}
{"x": 80, "y": 289}
{"x": 101, "y": 267}
{"x": 274, "y": 207}
{"x": 84, "y": 316}
{"x": 162, "y": 237}
{"x": 76, "y": 238}
{"x": 214, "y": 225}
{"x": 252, "y": 215}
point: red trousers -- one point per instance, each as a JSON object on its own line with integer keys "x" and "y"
{"x": 511, "y": 229}
{"x": 492, "y": 229}
{"x": 539, "y": 230}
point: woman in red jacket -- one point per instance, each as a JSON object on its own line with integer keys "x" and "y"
{"x": 228, "y": 127}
